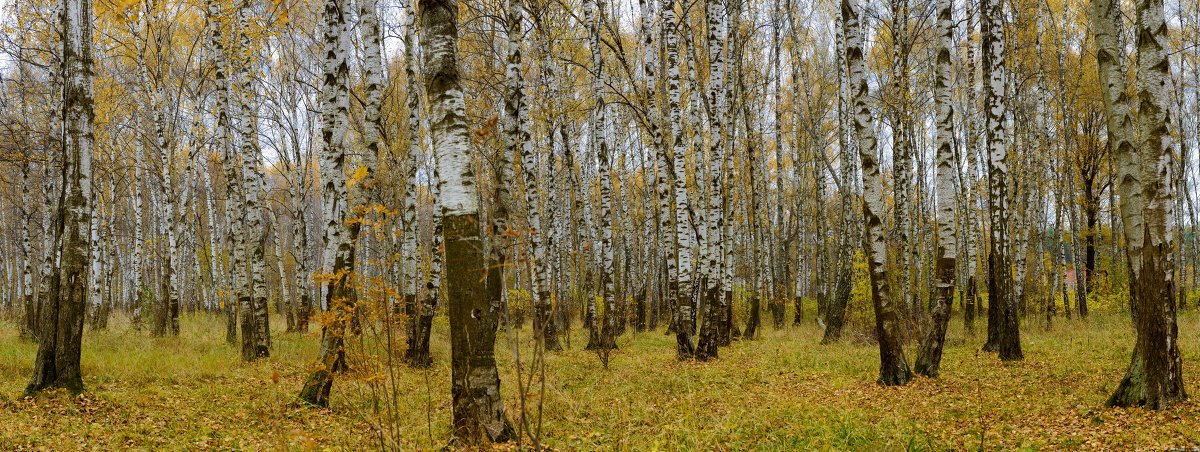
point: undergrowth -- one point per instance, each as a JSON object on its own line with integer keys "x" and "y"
{"x": 782, "y": 391}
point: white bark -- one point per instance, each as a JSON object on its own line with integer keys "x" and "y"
{"x": 683, "y": 224}
{"x": 409, "y": 219}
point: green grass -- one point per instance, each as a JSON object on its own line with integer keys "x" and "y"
{"x": 782, "y": 391}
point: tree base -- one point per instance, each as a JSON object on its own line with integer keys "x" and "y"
{"x": 316, "y": 389}
{"x": 893, "y": 369}
{"x": 1133, "y": 390}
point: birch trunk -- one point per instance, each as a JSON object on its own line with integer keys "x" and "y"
{"x": 166, "y": 319}
{"x": 220, "y": 62}
{"x": 606, "y": 339}
{"x": 1003, "y": 326}
{"x": 96, "y": 268}
{"x": 521, "y": 142}
{"x": 835, "y": 312}
{"x": 971, "y": 229}
{"x": 661, "y": 160}
{"x": 706, "y": 347}
{"x": 434, "y": 285}
{"x": 893, "y": 369}
{"x": 682, "y": 286}
{"x": 340, "y": 297}
{"x": 478, "y": 411}
{"x": 28, "y": 301}
{"x": 61, "y": 318}
{"x": 1155, "y": 375}
{"x": 902, "y": 161}
{"x": 417, "y": 353}
{"x": 929, "y": 357}
{"x": 256, "y": 332}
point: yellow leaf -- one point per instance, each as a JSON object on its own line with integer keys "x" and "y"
{"x": 359, "y": 175}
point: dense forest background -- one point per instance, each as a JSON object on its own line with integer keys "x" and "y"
{"x": 379, "y": 192}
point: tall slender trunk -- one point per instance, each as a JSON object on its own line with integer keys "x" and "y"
{"x": 893, "y": 368}
{"x": 95, "y": 301}
{"x": 929, "y": 357}
{"x": 1003, "y": 326}
{"x": 778, "y": 247}
{"x": 433, "y": 286}
{"x": 340, "y": 297}
{"x": 606, "y": 339}
{"x": 235, "y": 272}
{"x": 50, "y": 186}
{"x": 682, "y": 286}
{"x": 166, "y": 318}
{"x": 706, "y": 348}
{"x": 902, "y": 161}
{"x": 256, "y": 332}
{"x": 662, "y": 176}
{"x": 521, "y": 142}
{"x": 215, "y": 272}
{"x": 835, "y": 309}
{"x": 28, "y": 301}
{"x": 971, "y": 229}
{"x": 417, "y": 353}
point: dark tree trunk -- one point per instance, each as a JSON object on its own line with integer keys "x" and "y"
{"x": 835, "y": 311}
{"x": 799, "y": 315}
{"x": 970, "y": 302}
{"x": 755, "y": 314}
{"x": 706, "y": 347}
{"x": 474, "y": 382}
{"x": 1089, "y": 248}
{"x": 303, "y": 310}
{"x": 230, "y": 324}
{"x": 778, "y": 314}
{"x": 929, "y": 357}
{"x": 1155, "y": 375}
{"x": 730, "y": 332}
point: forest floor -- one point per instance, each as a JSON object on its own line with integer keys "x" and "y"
{"x": 782, "y": 391}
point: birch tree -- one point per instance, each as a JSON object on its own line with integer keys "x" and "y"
{"x": 1145, "y": 171}
{"x": 706, "y": 348}
{"x": 520, "y": 142}
{"x": 893, "y": 368}
{"x": 340, "y": 297}
{"x": 930, "y": 355}
{"x": 683, "y": 324}
{"x": 421, "y": 317}
{"x": 477, "y": 409}
{"x": 60, "y": 332}
{"x": 256, "y": 331}
{"x": 599, "y": 139}
{"x": 1003, "y": 326}
{"x": 835, "y": 312}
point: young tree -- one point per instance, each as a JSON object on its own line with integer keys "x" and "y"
{"x": 60, "y": 332}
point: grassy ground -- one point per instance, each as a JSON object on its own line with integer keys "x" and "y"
{"x": 783, "y": 391}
